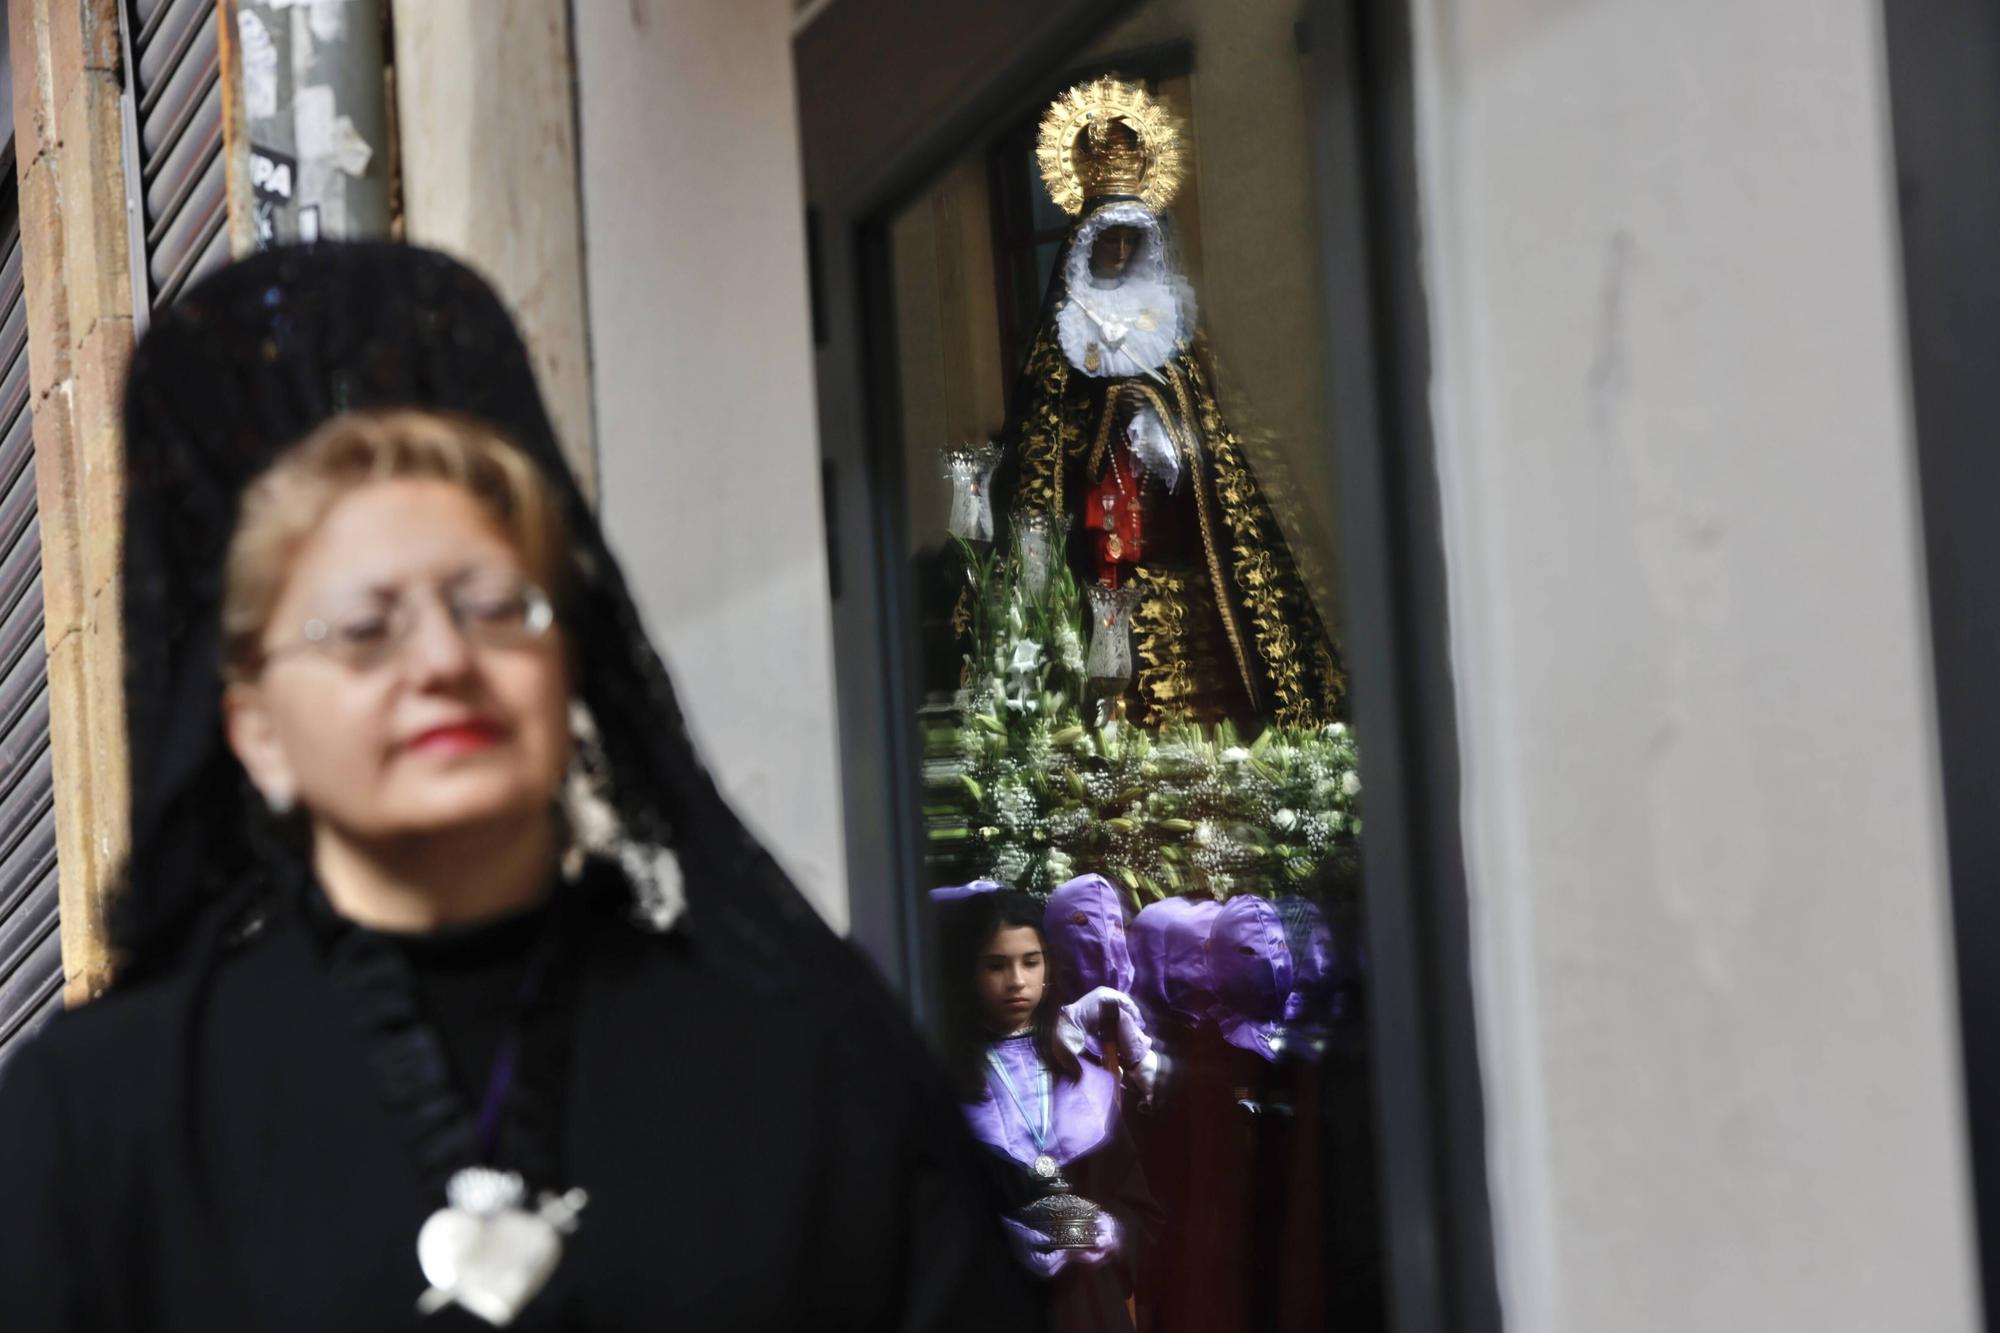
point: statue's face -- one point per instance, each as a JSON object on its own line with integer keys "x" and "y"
{"x": 1111, "y": 251}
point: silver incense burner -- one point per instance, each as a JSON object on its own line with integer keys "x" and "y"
{"x": 1068, "y": 1219}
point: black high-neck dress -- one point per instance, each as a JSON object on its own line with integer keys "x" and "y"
{"x": 254, "y": 1142}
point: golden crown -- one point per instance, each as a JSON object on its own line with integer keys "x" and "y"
{"x": 1105, "y": 138}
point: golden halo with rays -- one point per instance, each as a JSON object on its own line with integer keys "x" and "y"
{"x": 1102, "y": 100}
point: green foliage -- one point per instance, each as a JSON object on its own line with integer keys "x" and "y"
{"x": 1022, "y": 787}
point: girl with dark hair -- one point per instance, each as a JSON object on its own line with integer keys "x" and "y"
{"x": 1038, "y": 1095}
{"x": 439, "y": 1004}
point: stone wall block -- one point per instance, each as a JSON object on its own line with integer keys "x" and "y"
{"x": 34, "y": 99}
{"x": 58, "y": 490}
{"x": 83, "y": 38}
{"x": 77, "y": 877}
{"x": 98, "y": 38}
{"x": 70, "y": 142}
{"x": 96, "y": 259}
{"x": 42, "y": 272}
{"x": 65, "y": 30}
{"x": 110, "y": 764}
{"x": 100, "y": 380}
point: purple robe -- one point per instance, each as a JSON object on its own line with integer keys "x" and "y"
{"x": 1082, "y": 1110}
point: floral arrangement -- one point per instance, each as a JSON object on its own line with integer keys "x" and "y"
{"x": 1021, "y": 786}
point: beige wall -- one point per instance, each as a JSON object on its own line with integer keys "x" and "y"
{"x": 487, "y": 135}
{"x": 1701, "y": 795}
{"x": 707, "y": 432}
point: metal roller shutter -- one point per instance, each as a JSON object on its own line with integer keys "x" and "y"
{"x": 31, "y": 976}
{"x": 176, "y": 85}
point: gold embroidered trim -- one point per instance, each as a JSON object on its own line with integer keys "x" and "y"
{"x": 1204, "y": 501}
{"x": 1047, "y": 434}
{"x": 1258, "y": 577}
{"x": 1095, "y": 466}
{"x": 1160, "y": 637}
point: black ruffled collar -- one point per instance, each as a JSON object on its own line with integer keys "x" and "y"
{"x": 374, "y": 978}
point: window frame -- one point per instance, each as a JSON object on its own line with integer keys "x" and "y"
{"x": 890, "y": 92}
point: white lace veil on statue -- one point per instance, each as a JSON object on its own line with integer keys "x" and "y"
{"x": 1131, "y": 324}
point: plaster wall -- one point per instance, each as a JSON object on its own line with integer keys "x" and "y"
{"x": 694, "y": 238}
{"x": 1702, "y": 805}
{"x": 487, "y": 133}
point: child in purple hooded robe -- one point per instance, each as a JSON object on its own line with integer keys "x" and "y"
{"x": 1037, "y": 1095}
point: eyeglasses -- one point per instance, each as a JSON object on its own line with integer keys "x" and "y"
{"x": 510, "y": 615}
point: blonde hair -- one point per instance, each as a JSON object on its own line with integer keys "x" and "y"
{"x": 283, "y": 507}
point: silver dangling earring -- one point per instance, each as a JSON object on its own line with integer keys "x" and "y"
{"x": 658, "y": 894}
{"x": 280, "y": 801}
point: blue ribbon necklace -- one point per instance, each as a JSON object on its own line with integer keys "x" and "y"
{"x": 1038, "y": 1132}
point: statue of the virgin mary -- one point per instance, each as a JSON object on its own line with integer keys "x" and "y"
{"x": 1117, "y": 437}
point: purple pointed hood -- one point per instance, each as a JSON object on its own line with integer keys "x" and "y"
{"x": 1085, "y": 930}
{"x": 1169, "y": 942}
{"x": 1250, "y": 964}
{"x": 953, "y": 893}
{"x": 1315, "y": 962}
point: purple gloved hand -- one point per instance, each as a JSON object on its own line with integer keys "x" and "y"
{"x": 1035, "y": 1249}
{"x": 1110, "y": 1237}
{"x": 1083, "y": 1018}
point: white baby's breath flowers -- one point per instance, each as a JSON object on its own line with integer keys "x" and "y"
{"x": 1069, "y": 649}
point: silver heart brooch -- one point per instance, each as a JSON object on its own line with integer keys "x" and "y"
{"x": 487, "y": 1253}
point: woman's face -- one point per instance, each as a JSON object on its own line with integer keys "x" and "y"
{"x": 1013, "y": 972}
{"x": 1111, "y": 250}
{"x": 443, "y": 734}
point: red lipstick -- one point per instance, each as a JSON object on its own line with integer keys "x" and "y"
{"x": 458, "y": 738}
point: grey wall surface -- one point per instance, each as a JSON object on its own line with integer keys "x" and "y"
{"x": 694, "y": 237}
{"x": 1703, "y": 823}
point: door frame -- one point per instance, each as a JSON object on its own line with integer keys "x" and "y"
{"x": 1944, "y": 103}
{"x": 890, "y": 91}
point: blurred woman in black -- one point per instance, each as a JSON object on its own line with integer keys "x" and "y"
{"x": 448, "y": 984}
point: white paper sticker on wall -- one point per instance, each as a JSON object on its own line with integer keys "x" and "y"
{"x": 324, "y": 138}
{"x": 328, "y": 17}
{"x": 260, "y": 67}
